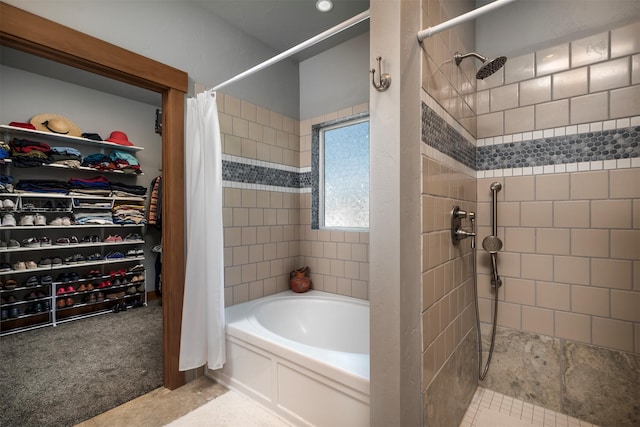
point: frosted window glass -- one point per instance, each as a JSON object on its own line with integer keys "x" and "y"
{"x": 346, "y": 176}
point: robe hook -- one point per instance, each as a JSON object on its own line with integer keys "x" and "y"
{"x": 383, "y": 79}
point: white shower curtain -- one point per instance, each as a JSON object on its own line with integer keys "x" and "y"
{"x": 203, "y": 338}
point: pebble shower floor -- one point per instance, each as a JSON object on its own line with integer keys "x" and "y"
{"x": 492, "y": 409}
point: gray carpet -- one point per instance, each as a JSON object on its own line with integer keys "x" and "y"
{"x": 64, "y": 375}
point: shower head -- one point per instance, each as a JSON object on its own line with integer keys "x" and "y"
{"x": 492, "y": 244}
{"x": 488, "y": 67}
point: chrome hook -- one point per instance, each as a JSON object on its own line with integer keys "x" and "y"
{"x": 384, "y": 79}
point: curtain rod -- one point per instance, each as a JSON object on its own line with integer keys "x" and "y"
{"x": 462, "y": 18}
{"x": 292, "y": 51}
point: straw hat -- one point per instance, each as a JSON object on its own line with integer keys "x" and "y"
{"x": 55, "y": 123}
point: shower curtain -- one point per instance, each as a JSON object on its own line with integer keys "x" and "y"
{"x": 202, "y": 338}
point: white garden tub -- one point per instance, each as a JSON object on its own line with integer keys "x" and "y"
{"x": 303, "y": 356}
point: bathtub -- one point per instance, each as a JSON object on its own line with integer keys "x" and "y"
{"x": 304, "y": 356}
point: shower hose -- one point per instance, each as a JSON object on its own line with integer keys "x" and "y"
{"x": 482, "y": 371}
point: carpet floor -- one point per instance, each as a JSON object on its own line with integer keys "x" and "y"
{"x": 64, "y": 375}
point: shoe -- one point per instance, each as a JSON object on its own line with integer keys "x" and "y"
{"x": 77, "y": 258}
{"x": 8, "y": 204}
{"x": 60, "y": 291}
{"x": 45, "y": 241}
{"x": 32, "y": 281}
{"x": 73, "y": 240}
{"x": 139, "y": 251}
{"x": 26, "y": 220}
{"x": 31, "y": 242}
{"x": 94, "y": 257}
{"x": 99, "y": 297}
{"x": 56, "y": 261}
{"x": 45, "y": 262}
{"x": 46, "y": 280}
{"x": 40, "y": 220}
{"x": 5, "y": 314}
{"x": 70, "y": 290}
{"x": 90, "y": 287}
{"x": 69, "y": 302}
{"x": 31, "y": 265}
{"x": 31, "y": 296}
{"x": 10, "y": 284}
{"x": 56, "y": 222}
{"x": 5, "y": 267}
{"x": 69, "y": 260}
{"x": 62, "y": 241}
{"x": 81, "y": 288}
{"x": 14, "y": 312}
{"x": 3, "y": 246}
{"x": 137, "y": 267}
{"x": 134, "y": 237}
{"x": 90, "y": 299}
{"x": 114, "y": 256}
{"x": 73, "y": 277}
{"x": 140, "y": 288}
{"x": 131, "y": 253}
{"x": 61, "y": 303}
{"x": 8, "y": 220}
{"x": 66, "y": 221}
{"x": 13, "y": 244}
{"x": 132, "y": 290}
{"x": 20, "y": 265}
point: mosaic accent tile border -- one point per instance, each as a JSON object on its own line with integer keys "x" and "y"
{"x": 577, "y": 148}
{"x": 239, "y": 170}
{"x": 437, "y": 133}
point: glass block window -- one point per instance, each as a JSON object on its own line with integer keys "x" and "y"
{"x": 340, "y": 173}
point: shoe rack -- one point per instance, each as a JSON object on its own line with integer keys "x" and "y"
{"x": 55, "y": 267}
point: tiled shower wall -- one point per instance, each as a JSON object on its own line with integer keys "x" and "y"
{"x": 559, "y": 128}
{"x": 449, "y": 358}
{"x": 267, "y": 208}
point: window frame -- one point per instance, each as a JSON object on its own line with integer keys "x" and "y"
{"x": 317, "y": 169}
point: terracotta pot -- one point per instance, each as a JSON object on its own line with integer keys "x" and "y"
{"x": 299, "y": 281}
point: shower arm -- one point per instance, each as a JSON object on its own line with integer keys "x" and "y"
{"x": 423, "y": 34}
{"x": 459, "y": 57}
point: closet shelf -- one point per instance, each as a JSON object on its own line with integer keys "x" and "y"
{"x": 26, "y": 133}
{"x": 72, "y": 246}
{"x": 66, "y": 266}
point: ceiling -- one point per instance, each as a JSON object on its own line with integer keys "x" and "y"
{"x": 282, "y": 24}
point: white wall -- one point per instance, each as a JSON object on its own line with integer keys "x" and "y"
{"x": 336, "y": 78}
{"x": 183, "y": 35}
{"x": 529, "y": 25}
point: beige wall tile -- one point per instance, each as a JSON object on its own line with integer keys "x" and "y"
{"x": 520, "y": 68}
{"x": 536, "y": 214}
{"x": 504, "y": 97}
{"x": 589, "y": 108}
{"x": 520, "y": 239}
{"x": 610, "y": 75}
{"x": 509, "y": 315}
{"x": 624, "y": 102}
{"x": 508, "y": 264}
{"x": 637, "y": 339}
{"x": 508, "y": 214}
{"x": 491, "y": 124}
{"x": 482, "y": 102}
{"x": 484, "y": 192}
{"x": 625, "y": 40}
{"x": 552, "y": 187}
{"x": 535, "y": 91}
{"x": 575, "y": 214}
{"x": 552, "y": 114}
{"x": 555, "y": 296}
{"x": 611, "y": 214}
{"x": 587, "y": 242}
{"x": 555, "y": 241}
{"x": 552, "y": 60}
{"x": 573, "y": 326}
{"x": 590, "y": 300}
{"x": 519, "y": 119}
{"x": 537, "y": 320}
{"x": 590, "y": 185}
{"x": 539, "y": 267}
{"x": 570, "y": 83}
{"x": 635, "y": 69}
{"x": 611, "y": 273}
{"x": 571, "y": 270}
{"x": 625, "y": 305}
{"x": 625, "y": 183}
{"x": 590, "y": 49}
{"x": 636, "y": 214}
{"x": 625, "y": 244}
{"x": 613, "y": 334}
{"x": 520, "y": 291}
{"x": 519, "y": 188}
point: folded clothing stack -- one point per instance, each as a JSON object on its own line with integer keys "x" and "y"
{"x": 98, "y": 186}
{"x": 129, "y": 214}
{"x": 42, "y": 186}
{"x": 66, "y": 156}
{"x": 126, "y": 190}
{"x": 28, "y": 154}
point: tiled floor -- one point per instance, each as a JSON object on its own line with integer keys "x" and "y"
{"x": 492, "y": 409}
